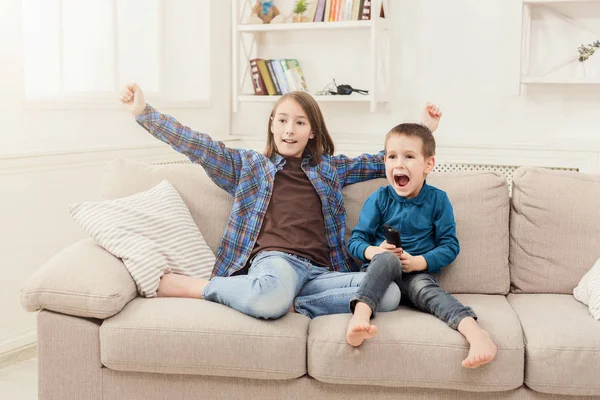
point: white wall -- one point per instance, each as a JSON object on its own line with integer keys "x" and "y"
{"x": 464, "y": 56}
{"x": 52, "y": 158}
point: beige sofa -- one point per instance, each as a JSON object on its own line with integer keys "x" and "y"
{"x": 97, "y": 340}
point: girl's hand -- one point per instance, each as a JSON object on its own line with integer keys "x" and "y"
{"x": 412, "y": 264}
{"x": 430, "y": 117}
{"x": 132, "y": 97}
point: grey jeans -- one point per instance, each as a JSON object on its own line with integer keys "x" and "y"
{"x": 420, "y": 290}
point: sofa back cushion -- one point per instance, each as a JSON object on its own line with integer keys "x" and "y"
{"x": 481, "y": 208}
{"x": 480, "y": 201}
{"x": 554, "y": 229}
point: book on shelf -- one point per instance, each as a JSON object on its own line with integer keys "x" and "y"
{"x": 327, "y": 10}
{"x": 320, "y": 11}
{"x": 341, "y": 10}
{"x": 258, "y": 82}
{"x": 279, "y": 74}
{"x": 276, "y": 77}
{"x": 356, "y": 10}
{"x": 264, "y": 72}
{"x": 273, "y": 76}
{"x": 338, "y": 6}
{"x": 312, "y": 11}
{"x": 366, "y": 10}
{"x": 297, "y": 75}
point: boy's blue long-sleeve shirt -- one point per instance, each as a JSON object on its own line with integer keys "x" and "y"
{"x": 426, "y": 225}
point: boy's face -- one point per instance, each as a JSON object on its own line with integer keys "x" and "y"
{"x": 291, "y": 129}
{"x": 405, "y": 165}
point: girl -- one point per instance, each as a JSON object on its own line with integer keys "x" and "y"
{"x": 271, "y": 252}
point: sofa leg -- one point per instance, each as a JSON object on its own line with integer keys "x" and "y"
{"x": 69, "y": 365}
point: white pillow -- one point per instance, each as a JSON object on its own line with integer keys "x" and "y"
{"x": 588, "y": 290}
{"x": 152, "y": 231}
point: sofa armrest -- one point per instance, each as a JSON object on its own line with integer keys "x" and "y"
{"x": 83, "y": 280}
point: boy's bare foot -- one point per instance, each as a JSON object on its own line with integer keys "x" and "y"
{"x": 359, "y": 330}
{"x": 176, "y": 285}
{"x": 482, "y": 350}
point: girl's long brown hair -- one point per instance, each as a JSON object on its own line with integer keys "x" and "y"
{"x": 317, "y": 146}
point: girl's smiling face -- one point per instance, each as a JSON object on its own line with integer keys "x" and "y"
{"x": 291, "y": 129}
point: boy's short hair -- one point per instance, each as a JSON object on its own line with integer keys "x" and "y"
{"x": 414, "y": 130}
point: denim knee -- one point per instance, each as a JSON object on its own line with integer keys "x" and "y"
{"x": 387, "y": 260}
{"x": 391, "y": 298}
{"x": 269, "y": 305}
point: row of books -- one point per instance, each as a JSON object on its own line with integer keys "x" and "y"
{"x": 339, "y": 10}
{"x": 276, "y": 77}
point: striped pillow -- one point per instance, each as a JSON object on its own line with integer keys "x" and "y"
{"x": 152, "y": 232}
{"x": 588, "y": 290}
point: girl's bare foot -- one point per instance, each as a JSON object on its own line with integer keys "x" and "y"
{"x": 359, "y": 330}
{"x": 176, "y": 285}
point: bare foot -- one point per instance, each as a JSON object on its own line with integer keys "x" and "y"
{"x": 176, "y": 285}
{"x": 482, "y": 351}
{"x": 359, "y": 330}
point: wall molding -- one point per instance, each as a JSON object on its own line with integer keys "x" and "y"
{"x": 16, "y": 341}
{"x": 509, "y": 155}
{"x": 68, "y": 159}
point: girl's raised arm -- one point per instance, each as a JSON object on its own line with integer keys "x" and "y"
{"x": 220, "y": 162}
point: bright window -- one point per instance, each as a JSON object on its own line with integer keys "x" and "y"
{"x": 87, "y": 50}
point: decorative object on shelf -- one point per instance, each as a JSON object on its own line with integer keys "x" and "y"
{"x": 585, "y": 53}
{"x": 300, "y": 8}
{"x": 265, "y": 12}
{"x": 346, "y": 90}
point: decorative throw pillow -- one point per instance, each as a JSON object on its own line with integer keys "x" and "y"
{"x": 152, "y": 232}
{"x": 588, "y": 290}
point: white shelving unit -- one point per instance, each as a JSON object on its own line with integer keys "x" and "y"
{"x": 377, "y": 30}
{"x": 546, "y": 78}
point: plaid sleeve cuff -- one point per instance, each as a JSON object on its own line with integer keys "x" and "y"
{"x": 148, "y": 115}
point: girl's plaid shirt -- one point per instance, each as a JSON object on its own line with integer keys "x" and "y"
{"x": 248, "y": 176}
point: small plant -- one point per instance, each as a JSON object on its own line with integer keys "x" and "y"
{"x": 586, "y": 52}
{"x": 301, "y": 6}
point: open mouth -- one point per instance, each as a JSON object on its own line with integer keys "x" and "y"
{"x": 401, "y": 180}
{"x": 289, "y": 141}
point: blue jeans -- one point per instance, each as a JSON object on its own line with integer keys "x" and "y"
{"x": 275, "y": 279}
{"x": 420, "y": 290}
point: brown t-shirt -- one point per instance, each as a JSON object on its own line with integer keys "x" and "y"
{"x": 294, "y": 222}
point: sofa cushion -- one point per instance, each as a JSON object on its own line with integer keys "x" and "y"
{"x": 208, "y": 204}
{"x": 411, "y": 347}
{"x": 82, "y": 280}
{"x": 554, "y": 229}
{"x": 151, "y": 231}
{"x": 562, "y": 344}
{"x": 481, "y": 208}
{"x": 189, "y": 336}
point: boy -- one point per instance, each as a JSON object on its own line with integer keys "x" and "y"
{"x": 423, "y": 215}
